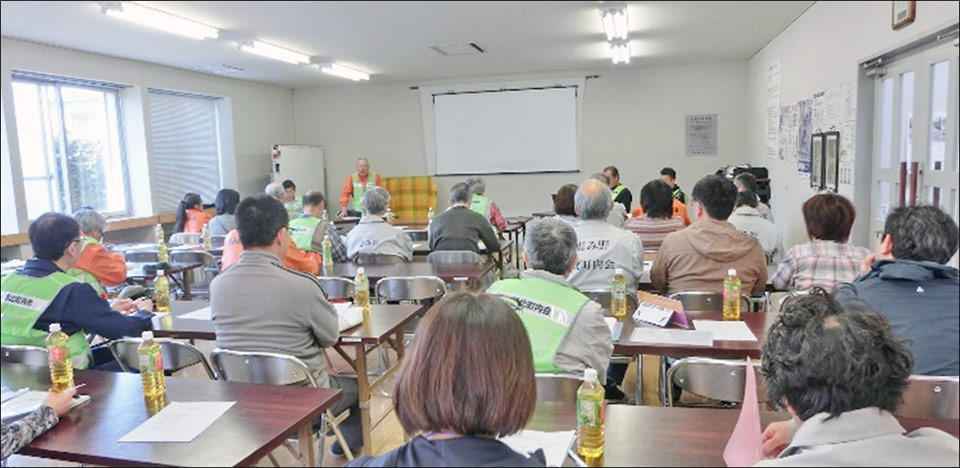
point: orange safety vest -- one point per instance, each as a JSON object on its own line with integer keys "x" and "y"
{"x": 679, "y": 211}
{"x": 295, "y": 259}
{"x": 196, "y": 220}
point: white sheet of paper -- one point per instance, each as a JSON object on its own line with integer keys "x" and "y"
{"x": 727, "y": 330}
{"x": 178, "y": 422}
{"x": 554, "y": 444}
{"x": 616, "y": 327}
{"x": 199, "y": 314}
{"x": 669, "y": 336}
{"x": 417, "y": 245}
{"x": 22, "y": 403}
{"x": 348, "y": 314}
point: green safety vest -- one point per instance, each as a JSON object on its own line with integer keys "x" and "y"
{"x": 85, "y": 276}
{"x": 301, "y": 231}
{"x": 616, "y": 190}
{"x": 481, "y": 205}
{"x": 25, "y": 298}
{"x": 547, "y": 309}
{"x": 359, "y": 188}
{"x": 294, "y": 208}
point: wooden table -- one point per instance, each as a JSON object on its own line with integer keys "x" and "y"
{"x": 386, "y": 326}
{"x": 262, "y": 418}
{"x": 517, "y": 231}
{"x": 449, "y": 272}
{"x": 137, "y": 274}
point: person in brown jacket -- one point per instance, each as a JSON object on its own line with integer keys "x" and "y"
{"x": 697, "y": 258}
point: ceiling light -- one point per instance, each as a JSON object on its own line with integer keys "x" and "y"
{"x": 146, "y": 16}
{"x": 282, "y": 54}
{"x": 620, "y": 51}
{"x": 614, "y": 19}
{"x": 344, "y": 72}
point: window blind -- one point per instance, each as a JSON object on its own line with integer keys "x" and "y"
{"x": 186, "y": 148}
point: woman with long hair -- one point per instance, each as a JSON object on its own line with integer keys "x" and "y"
{"x": 190, "y": 214}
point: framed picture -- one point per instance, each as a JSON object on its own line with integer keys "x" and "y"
{"x": 816, "y": 161}
{"x": 831, "y": 161}
{"x": 902, "y": 13}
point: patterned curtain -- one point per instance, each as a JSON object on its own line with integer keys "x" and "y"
{"x": 410, "y": 196}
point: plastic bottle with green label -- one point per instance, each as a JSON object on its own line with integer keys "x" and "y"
{"x": 590, "y": 409}
{"x": 150, "y": 356}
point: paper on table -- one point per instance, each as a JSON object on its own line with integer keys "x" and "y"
{"x": 616, "y": 327}
{"x": 417, "y": 245}
{"x": 732, "y": 330}
{"x": 199, "y": 314}
{"x": 554, "y": 444}
{"x": 178, "y": 422}
{"x": 348, "y": 314}
{"x": 23, "y": 403}
{"x": 671, "y": 336}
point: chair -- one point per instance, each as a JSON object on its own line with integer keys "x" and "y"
{"x": 336, "y": 288}
{"x": 931, "y": 397}
{"x": 716, "y": 379}
{"x": 216, "y": 242}
{"x": 184, "y": 238}
{"x": 455, "y": 256}
{"x": 417, "y": 235}
{"x": 142, "y": 256}
{"x": 603, "y": 298}
{"x": 176, "y": 355}
{"x": 33, "y": 356}
{"x": 201, "y": 276}
{"x": 557, "y": 388}
{"x": 275, "y": 369}
{"x": 790, "y": 295}
{"x": 703, "y": 301}
{"x": 378, "y": 259}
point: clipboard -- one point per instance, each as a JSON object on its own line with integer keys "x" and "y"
{"x": 659, "y": 310}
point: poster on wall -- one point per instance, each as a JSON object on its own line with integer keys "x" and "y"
{"x": 772, "y": 101}
{"x": 804, "y": 131}
{"x": 788, "y": 133}
{"x": 701, "y": 135}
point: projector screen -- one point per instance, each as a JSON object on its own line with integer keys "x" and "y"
{"x": 506, "y": 131}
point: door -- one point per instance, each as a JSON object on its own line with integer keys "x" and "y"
{"x": 915, "y": 136}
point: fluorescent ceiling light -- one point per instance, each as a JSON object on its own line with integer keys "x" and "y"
{"x": 344, "y": 72}
{"x": 282, "y": 54}
{"x": 614, "y": 19}
{"x": 146, "y": 16}
{"x": 620, "y": 51}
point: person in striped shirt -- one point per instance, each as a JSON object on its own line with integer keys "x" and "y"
{"x": 657, "y": 220}
{"x": 828, "y": 259}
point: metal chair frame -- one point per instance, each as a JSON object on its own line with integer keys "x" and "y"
{"x": 124, "y": 350}
{"x": 34, "y": 356}
{"x": 185, "y": 238}
{"x": 717, "y": 369}
{"x": 378, "y": 259}
{"x": 931, "y": 396}
{"x": 336, "y": 288}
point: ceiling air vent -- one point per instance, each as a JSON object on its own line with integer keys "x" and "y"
{"x": 470, "y": 48}
{"x": 218, "y": 69}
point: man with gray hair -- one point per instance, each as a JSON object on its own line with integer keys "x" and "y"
{"x": 567, "y": 331}
{"x": 618, "y": 213}
{"x": 276, "y": 191}
{"x": 97, "y": 266}
{"x": 460, "y": 228}
{"x": 602, "y": 248}
{"x": 373, "y": 235}
{"x": 484, "y": 206}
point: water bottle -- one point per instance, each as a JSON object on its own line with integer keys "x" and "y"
{"x": 590, "y": 411}
{"x": 430, "y": 214}
{"x": 161, "y": 291}
{"x": 61, "y": 369}
{"x": 150, "y": 356}
{"x": 389, "y": 216}
{"x": 162, "y": 254}
{"x": 361, "y": 293}
{"x": 731, "y": 296}
{"x": 323, "y": 216}
{"x": 205, "y": 234}
{"x": 327, "y": 252}
{"x": 618, "y": 295}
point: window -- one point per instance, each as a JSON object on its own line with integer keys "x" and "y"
{"x": 186, "y": 148}
{"x": 70, "y": 145}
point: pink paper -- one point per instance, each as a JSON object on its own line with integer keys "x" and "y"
{"x": 745, "y": 447}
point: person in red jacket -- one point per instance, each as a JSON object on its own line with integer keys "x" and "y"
{"x": 190, "y": 215}
{"x": 97, "y": 266}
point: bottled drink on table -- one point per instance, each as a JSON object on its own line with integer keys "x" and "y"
{"x": 731, "y": 296}
{"x": 327, "y": 252}
{"x": 162, "y": 254}
{"x": 205, "y": 234}
{"x": 61, "y": 369}
{"x": 590, "y": 409}
{"x": 389, "y": 216}
{"x": 151, "y": 367}
{"x": 618, "y": 295}
{"x": 323, "y": 215}
{"x": 430, "y": 214}
{"x": 361, "y": 293}
{"x": 161, "y": 292}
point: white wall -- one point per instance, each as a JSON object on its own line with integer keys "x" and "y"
{"x": 262, "y": 114}
{"x": 632, "y": 118}
{"x": 821, "y": 49}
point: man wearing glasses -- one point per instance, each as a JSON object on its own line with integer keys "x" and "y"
{"x": 41, "y": 293}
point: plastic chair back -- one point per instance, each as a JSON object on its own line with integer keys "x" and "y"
{"x": 176, "y": 355}
{"x": 931, "y": 397}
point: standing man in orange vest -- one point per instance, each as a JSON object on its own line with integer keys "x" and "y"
{"x": 351, "y": 197}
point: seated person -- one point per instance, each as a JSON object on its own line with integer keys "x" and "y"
{"x": 908, "y": 284}
{"x": 669, "y": 176}
{"x": 618, "y": 212}
{"x": 468, "y": 380}
{"x": 459, "y": 227}
{"x": 657, "y": 219}
{"x": 748, "y": 220}
{"x": 747, "y": 182}
{"x": 373, "y": 234}
{"x": 300, "y": 321}
{"x": 602, "y": 248}
{"x": 827, "y": 260}
{"x": 566, "y": 328}
{"x": 41, "y": 293}
{"x": 307, "y": 229}
{"x": 226, "y": 205}
{"x": 697, "y": 257}
{"x": 97, "y": 266}
{"x": 292, "y": 203}
{"x": 18, "y": 433}
{"x": 190, "y": 215}
{"x": 621, "y": 194}
{"x": 840, "y": 374}
{"x": 484, "y": 206}
{"x": 563, "y": 204}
